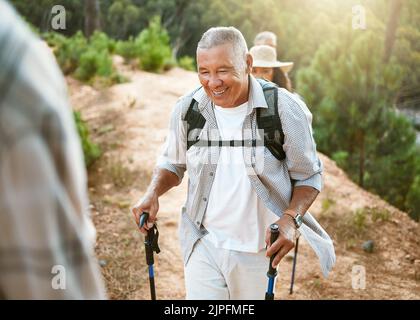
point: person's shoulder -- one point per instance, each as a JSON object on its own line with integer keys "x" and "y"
{"x": 191, "y": 94}
{"x": 290, "y": 101}
{"x": 283, "y": 93}
{"x": 184, "y": 101}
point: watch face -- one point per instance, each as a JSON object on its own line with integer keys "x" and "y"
{"x": 298, "y": 220}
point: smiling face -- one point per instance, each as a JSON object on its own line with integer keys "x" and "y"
{"x": 225, "y": 82}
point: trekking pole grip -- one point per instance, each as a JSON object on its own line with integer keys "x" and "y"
{"x": 147, "y": 239}
{"x": 274, "y": 234}
{"x": 143, "y": 219}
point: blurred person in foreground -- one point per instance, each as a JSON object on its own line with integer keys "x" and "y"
{"x": 237, "y": 186}
{"x": 46, "y": 235}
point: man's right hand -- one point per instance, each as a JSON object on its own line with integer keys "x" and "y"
{"x": 149, "y": 203}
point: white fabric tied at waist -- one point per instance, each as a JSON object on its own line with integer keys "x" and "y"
{"x": 319, "y": 241}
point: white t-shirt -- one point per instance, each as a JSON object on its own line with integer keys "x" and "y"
{"x": 235, "y": 218}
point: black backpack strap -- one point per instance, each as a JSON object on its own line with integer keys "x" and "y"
{"x": 195, "y": 122}
{"x": 269, "y": 120}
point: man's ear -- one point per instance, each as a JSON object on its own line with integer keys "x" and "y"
{"x": 249, "y": 62}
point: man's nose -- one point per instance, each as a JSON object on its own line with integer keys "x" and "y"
{"x": 214, "y": 82}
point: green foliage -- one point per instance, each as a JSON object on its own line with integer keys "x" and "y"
{"x": 352, "y": 92}
{"x": 407, "y": 49}
{"x": 153, "y": 46}
{"x": 123, "y": 19}
{"x": 379, "y": 214}
{"x": 392, "y": 164}
{"x": 413, "y": 199}
{"x": 68, "y": 50}
{"x": 359, "y": 220}
{"x": 38, "y": 13}
{"x": 91, "y": 150}
{"x": 96, "y": 59}
{"x": 93, "y": 63}
{"x": 86, "y": 59}
{"x": 187, "y": 63}
{"x": 101, "y": 42}
{"x": 127, "y": 49}
{"x": 340, "y": 157}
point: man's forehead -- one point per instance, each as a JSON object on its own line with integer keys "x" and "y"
{"x": 224, "y": 54}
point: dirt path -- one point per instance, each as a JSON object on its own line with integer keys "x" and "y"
{"x": 129, "y": 121}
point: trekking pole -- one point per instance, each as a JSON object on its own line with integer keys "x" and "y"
{"x": 150, "y": 245}
{"x": 272, "y": 272}
{"x": 292, "y": 281}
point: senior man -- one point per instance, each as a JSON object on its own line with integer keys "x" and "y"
{"x": 251, "y": 161}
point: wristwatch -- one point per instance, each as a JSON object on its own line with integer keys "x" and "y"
{"x": 297, "y": 219}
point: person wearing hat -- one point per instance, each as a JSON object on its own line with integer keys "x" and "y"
{"x": 267, "y": 67}
{"x": 266, "y": 38}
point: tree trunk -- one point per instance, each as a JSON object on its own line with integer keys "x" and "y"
{"x": 391, "y": 28}
{"x": 91, "y": 17}
{"x": 46, "y": 18}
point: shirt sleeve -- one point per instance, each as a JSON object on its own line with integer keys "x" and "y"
{"x": 173, "y": 154}
{"x": 304, "y": 165}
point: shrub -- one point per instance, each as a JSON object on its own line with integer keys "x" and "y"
{"x": 91, "y": 150}
{"x": 96, "y": 60}
{"x": 69, "y": 50}
{"x": 153, "y": 46}
{"x": 127, "y": 49}
{"x": 359, "y": 220}
{"x": 86, "y": 59}
{"x": 340, "y": 157}
{"x": 169, "y": 64}
{"x": 100, "y": 41}
{"x": 187, "y": 63}
{"x": 413, "y": 199}
{"x": 94, "y": 63}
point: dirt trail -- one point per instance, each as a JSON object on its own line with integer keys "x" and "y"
{"x": 129, "y": 121}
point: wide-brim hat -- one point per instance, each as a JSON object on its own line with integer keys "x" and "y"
{"x": 266, "y": 57}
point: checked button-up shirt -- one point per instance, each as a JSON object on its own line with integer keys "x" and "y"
{"x": 273, "y": 180}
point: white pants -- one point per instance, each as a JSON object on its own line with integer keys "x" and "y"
{"x": 218, "y": 274}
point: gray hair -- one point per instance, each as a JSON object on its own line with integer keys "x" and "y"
{"x": 265, "y": 37}
{"x": 217, "y": 36}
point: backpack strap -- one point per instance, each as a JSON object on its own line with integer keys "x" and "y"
{"x": 268, "y": 119}
{"x": 195, "y": 122}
